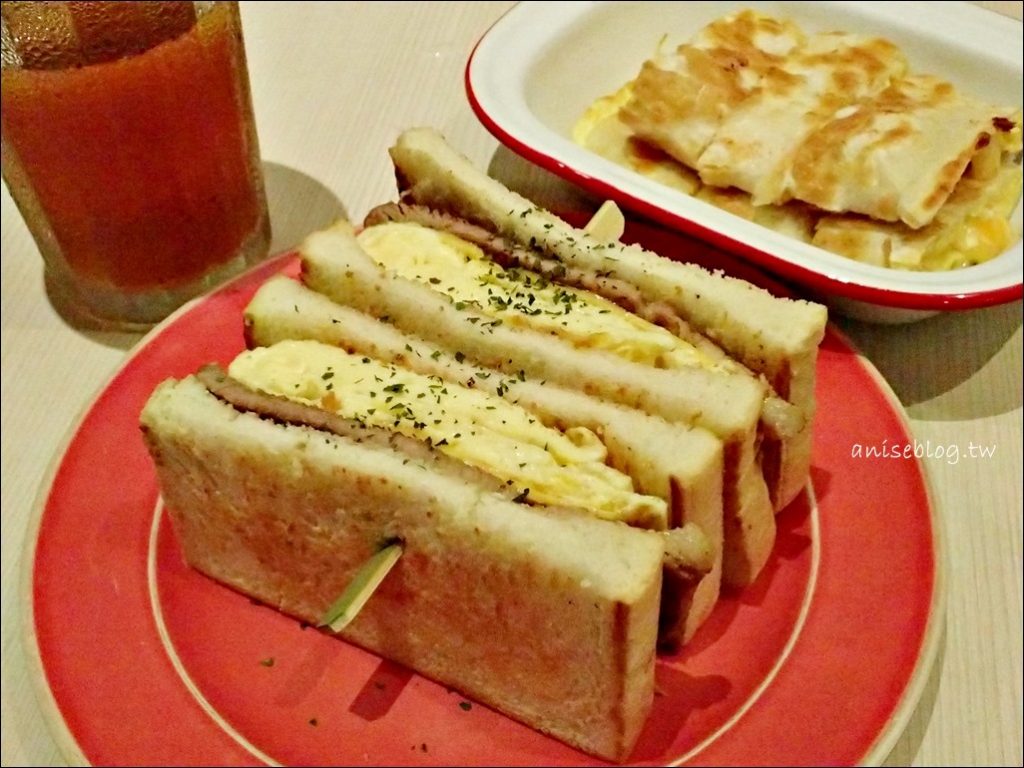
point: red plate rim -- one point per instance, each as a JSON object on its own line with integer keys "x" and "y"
{"x": 818, "y": 281}
{"x": 934, "y": 631}
{"x": 66, "y": 742}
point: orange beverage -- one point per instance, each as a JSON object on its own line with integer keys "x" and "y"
{"x": 130, "y": 149}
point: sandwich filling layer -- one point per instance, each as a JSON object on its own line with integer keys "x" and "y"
{"x": 525, "y": 299}
{"x": 540, "y": 463}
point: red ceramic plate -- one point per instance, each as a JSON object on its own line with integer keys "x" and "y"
{"x": 143, "y": 661}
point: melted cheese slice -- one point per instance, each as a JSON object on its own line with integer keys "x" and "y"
{"x": 524, "y": 299}
{"x": 483, "y": 430}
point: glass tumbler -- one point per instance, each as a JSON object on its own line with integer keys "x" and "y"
{"x": 130, "y": 149}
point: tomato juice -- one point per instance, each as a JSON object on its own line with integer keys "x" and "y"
{"x": 137, "y": 173}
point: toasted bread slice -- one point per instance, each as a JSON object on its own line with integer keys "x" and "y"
{"x": 776, "y": 338}
{"x": 550, "y": 618}
{"x": 681, "y": 465}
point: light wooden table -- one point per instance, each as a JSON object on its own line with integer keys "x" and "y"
{"x": 333, "y": 84}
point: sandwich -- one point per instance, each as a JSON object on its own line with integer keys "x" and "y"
{"x": 425, "y": 275}
{"x": 746, "y": 341}
{"x": 827, "y": 137}
{"x": 681, "y": 468}
{"x": 565, "y": 436}
{"x": 545, "y": 614}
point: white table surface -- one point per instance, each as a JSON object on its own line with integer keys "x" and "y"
{"x": 333, "y": 84}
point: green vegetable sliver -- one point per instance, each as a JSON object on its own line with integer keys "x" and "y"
{"x": 363, "y": 585}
